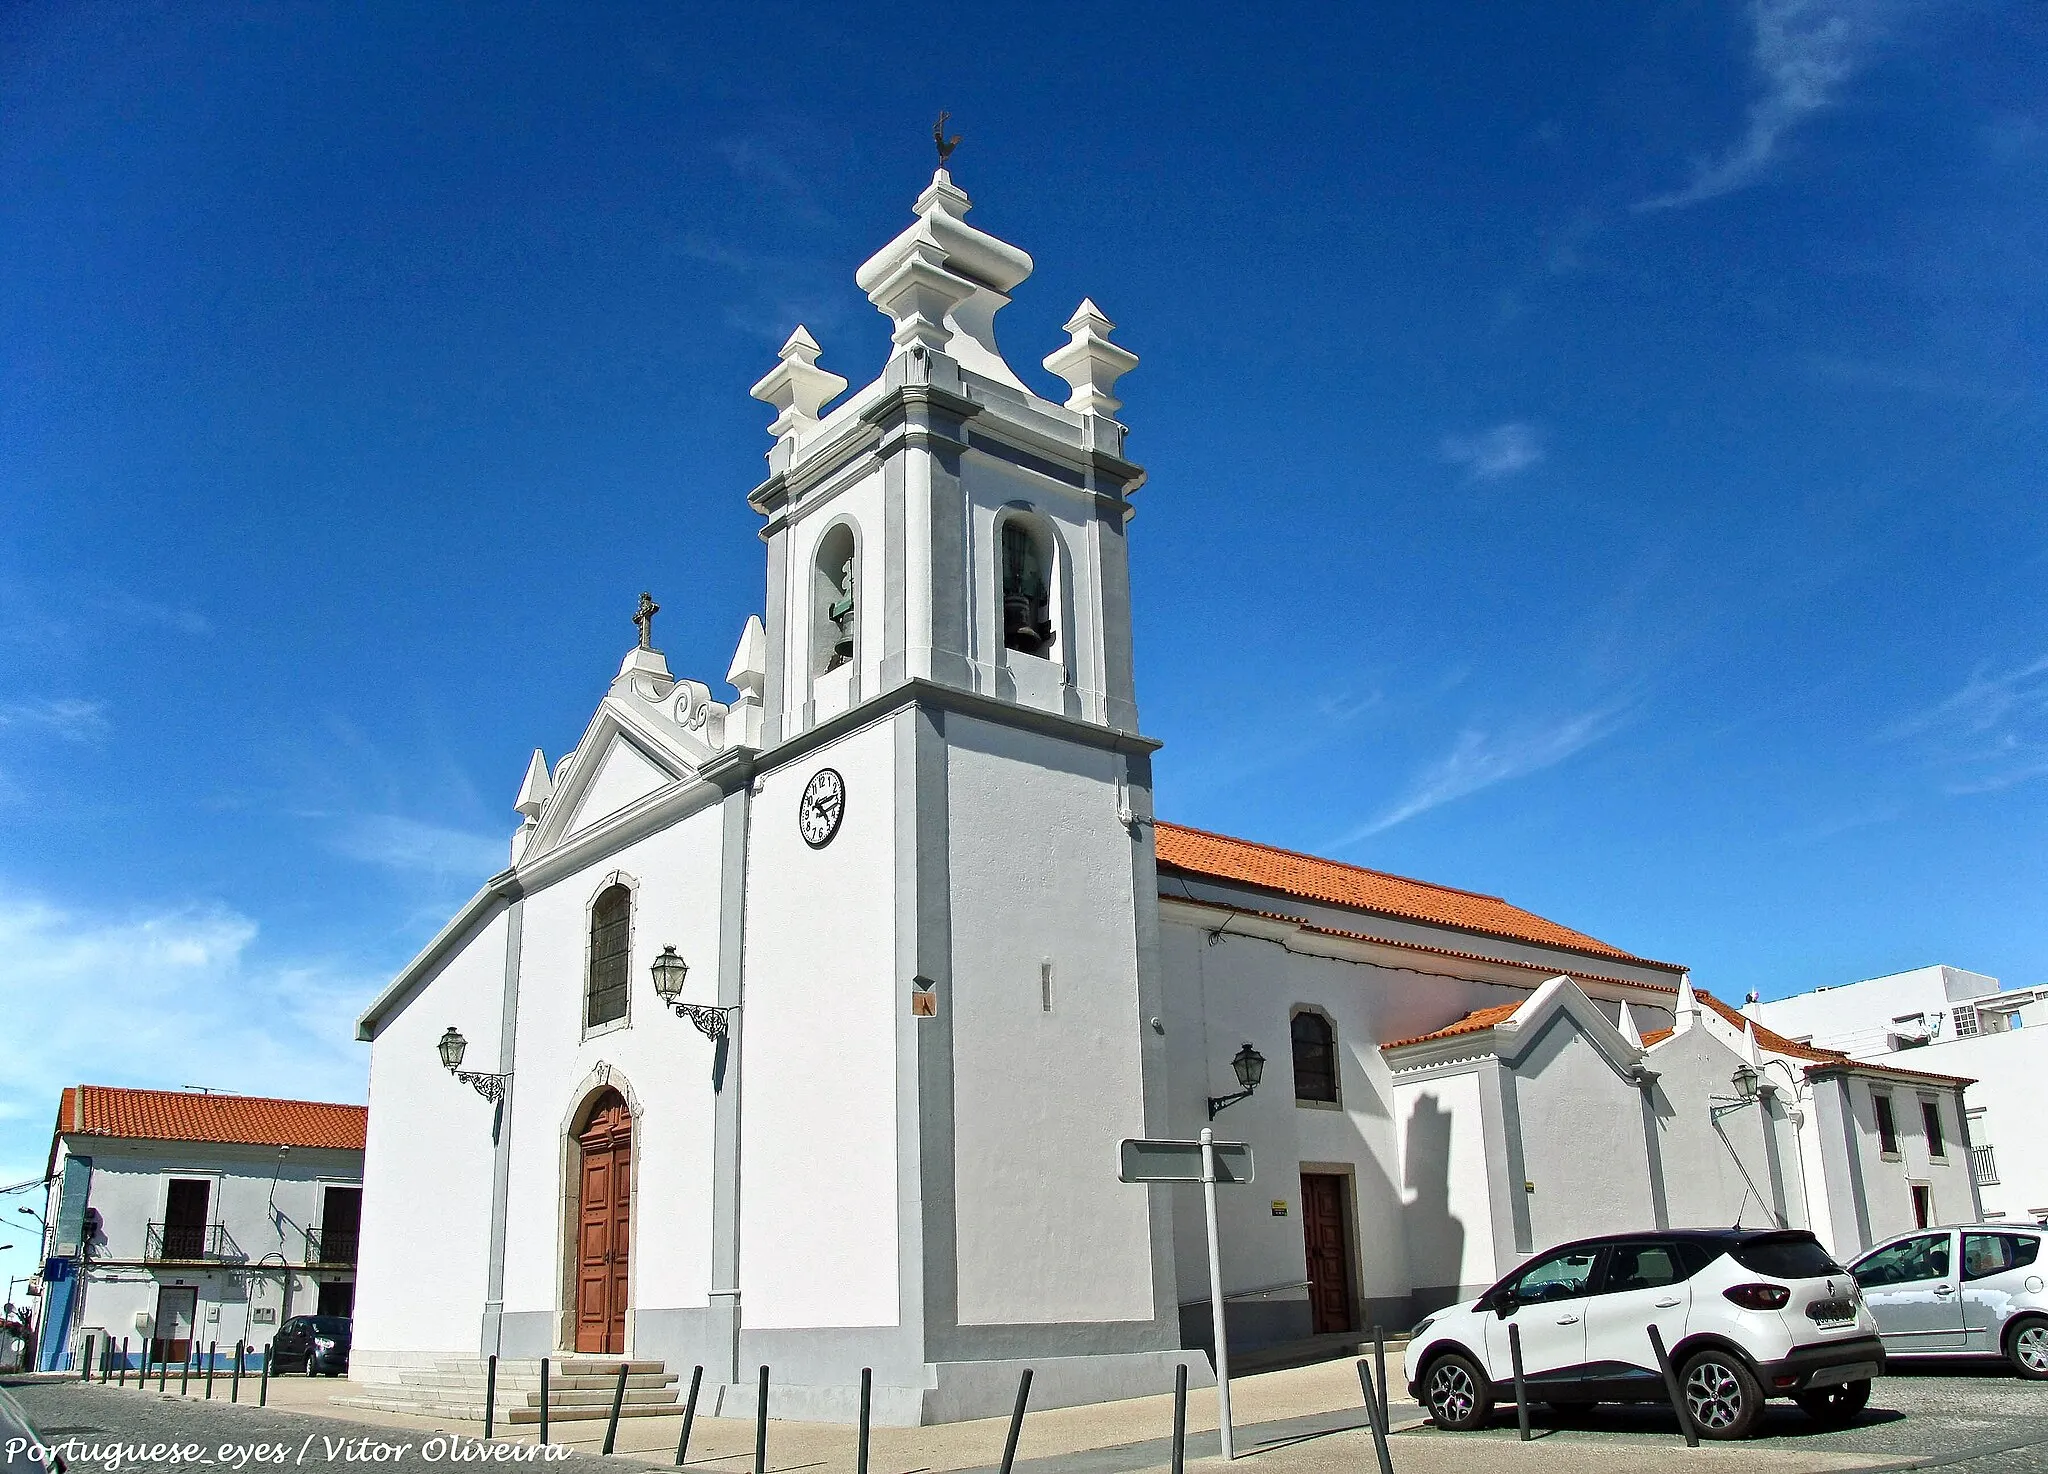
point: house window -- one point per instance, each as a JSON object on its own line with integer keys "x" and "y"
{"x": 1966, "y": 1022}
{"x": 1315, "y": 1058}
{"x": 1930, "y": 1119}
{"x": 1027, "y": 589}
{"x": 1923, "y": 1205}
{"x": 611, "y": 941}
{"x": 835, "y": 600}
{"x": 1887, "y": 1128}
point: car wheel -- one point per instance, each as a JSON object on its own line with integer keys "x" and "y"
{"x": 1457, "y": 1393}
{"x": 2026, "y": 1346}
{"x": 1835, "y": 1407}
{"x": 1721, "y": 1395}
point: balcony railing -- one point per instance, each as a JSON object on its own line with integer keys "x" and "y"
{"x": 1984, "y": 1165}
{"x": 332, "y": 1245}
{"x": 190, "y": 1243}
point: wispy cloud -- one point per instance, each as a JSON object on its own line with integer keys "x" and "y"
{"x": 69, "y": 718}
{"x": 1480, "y": 759}
{"x": 1990, "y": 733}
{"x": 1802, "y": 52}
{"x": 416, "y": 847}
{"x": 1492, "y": 454}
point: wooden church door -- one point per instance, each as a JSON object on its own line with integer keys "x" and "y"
{"x": 604, "y": 1227}
{"x": 1328, "y": 1253}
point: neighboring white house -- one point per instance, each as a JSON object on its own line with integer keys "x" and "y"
{"x": 181, "y": 1221}
{"x": 906, "y": 888}
{"x": 1961, "y": 1023}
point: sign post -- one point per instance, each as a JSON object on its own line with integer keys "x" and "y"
{"x": 1207, "y": 1161}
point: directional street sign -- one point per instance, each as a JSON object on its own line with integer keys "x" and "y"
{"x": 1142, "y": 1160}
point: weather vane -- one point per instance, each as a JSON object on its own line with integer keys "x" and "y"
{"x": 946, "y": 145}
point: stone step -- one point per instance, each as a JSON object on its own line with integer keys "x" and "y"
{"x": 596, "y": 1398}
{"x": 594, "y": 1366}
{"x": 476, "y": 1381}
{"x": 586, "y": 1414}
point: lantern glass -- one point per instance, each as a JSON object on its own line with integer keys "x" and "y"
{"x": 1745, "y": 1082}
{"x": 1250, "y": 1066}
{"x": 452, "y": 1046}
{"x": 669, "y": 971}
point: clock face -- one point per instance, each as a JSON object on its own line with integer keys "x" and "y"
{"x": 823, "y": 806}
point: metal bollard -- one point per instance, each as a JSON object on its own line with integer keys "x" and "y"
{"x": 867, "y": 1390}
{"x": 490, "y": 1393}
{"x": 689, "y": 1415}
{"x": 543, "y": 1399}
{"x": 1375, "y": 1416}
{"x": 1521, "y": 1387}
{"x": 611, "y": 1429}
{"x": 212, "y": 1356}
{"x": 107, "y": 1362}
{"x": 121, "y": 1373}
{"x": 85, "y": 1361}
{"x": 185, "y": 1372}
{"x": 163, "y": 1369}
{"x": 1180, "y": 1417}
{"x": 263, "y": 1387}
{"x": 1016, "y": 1420}
{"x": 235, "y": 1387}
{"x": 1673, "y": 1390}
{"x": 1379, "y": 1371}
{"x": 761, "y": 1426}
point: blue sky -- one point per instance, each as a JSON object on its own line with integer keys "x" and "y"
{"x": 1595, "y": 453}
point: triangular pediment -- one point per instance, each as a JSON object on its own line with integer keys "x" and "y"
{"x": 623, "y": 774}
{"x": 623, "y": 759}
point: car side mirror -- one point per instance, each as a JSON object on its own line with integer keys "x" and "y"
{"x": 1505, "y": 1304}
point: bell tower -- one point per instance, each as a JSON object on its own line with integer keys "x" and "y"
{"x": 950, "y": 993}
{"x": 946, "y": 523}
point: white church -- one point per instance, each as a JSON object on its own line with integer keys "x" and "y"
{"x": 804, "y": 1024}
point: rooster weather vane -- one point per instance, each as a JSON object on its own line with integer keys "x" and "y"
{"x": 945, "y": 145}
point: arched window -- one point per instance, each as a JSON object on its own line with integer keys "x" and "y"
{"x": 1315, "y": 1058}
{"x": 1027, "y": 588}
{"x": 835, "y": 600}
{"x": 611, "y": 946}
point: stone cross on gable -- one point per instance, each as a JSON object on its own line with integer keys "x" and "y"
{"x": 644, "y": 617}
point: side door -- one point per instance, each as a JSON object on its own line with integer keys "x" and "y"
{"x": 1995, "y": 1271}
{"x": 1911, "y": 1288}
{"x": 1644, "y": 1284}
{"x": 1550, "y": 1311}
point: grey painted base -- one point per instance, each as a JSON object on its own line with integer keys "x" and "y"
{"x": 956, "y": 1391}
{"x": 1248, "y": 1324}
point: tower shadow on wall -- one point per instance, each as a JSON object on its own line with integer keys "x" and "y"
{"x": 1434, "y": 1235}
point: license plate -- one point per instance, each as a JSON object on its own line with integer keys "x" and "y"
{"x": 1860, "y": 1371}
{"x": 1831, "y": 1312}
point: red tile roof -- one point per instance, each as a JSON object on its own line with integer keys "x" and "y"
{"x": 1768, "y": 1039}
{"x": 1309, "y": 877}
{"x": 1471, "y": 1023}
{"x": 186, "y": 1115}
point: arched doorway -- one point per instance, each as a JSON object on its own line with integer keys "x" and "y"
{"x": 604, "y": 1224}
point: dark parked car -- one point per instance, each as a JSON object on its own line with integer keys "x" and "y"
{"x": 311, "y": 1344}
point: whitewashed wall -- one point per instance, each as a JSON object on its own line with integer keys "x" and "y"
{"x": 655, "y": 1059}
{"x": 818, "y": 1230}
{"x": 1446, "y": 1185}
{"x": 1041, "y": 871}
{"x": 1583, "y": 1141}
{"x": 428, "y": 1162}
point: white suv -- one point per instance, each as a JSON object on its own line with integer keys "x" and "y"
{"x": 1746, "y": 1315}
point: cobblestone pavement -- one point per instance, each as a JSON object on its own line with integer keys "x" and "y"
{"x": 88, "y": 1422}
{"x": 1973, "y": 1420}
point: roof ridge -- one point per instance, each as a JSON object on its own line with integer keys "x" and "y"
{"x": 1275, "y": 849}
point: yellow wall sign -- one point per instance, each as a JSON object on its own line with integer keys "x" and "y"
{"x": 1279, "y": 1207}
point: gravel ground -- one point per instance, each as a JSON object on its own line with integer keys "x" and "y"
{"x": 86, "y": 1421}
{"x": 1974, "y": 1420}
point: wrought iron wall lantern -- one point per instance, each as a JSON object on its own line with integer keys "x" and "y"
{"x": 1250, "y": 1066}
{"x": 491, "y": 1087}
{"x": 1746, "y": 1083}
{"x": 669, "y": 971}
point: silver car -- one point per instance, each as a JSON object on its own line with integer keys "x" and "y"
{"x": 1976, "y": 1291}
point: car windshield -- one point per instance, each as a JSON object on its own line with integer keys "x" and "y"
{"x": 329, "y": 1325}
{"x": 1560, "y": 1277}
{"x": 1785, "y": 1256}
